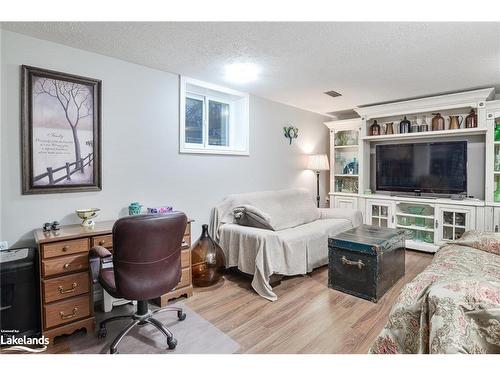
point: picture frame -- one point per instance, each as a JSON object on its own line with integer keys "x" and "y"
{"x": 60, "y": 132}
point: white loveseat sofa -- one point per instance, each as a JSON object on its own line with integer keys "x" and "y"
{"x": 277, "y": 232}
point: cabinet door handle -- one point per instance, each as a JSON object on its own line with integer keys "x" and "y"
{"x": 347, "y": 262}
{"x": 101, "y": 242}
{"x": 72, "y": 289}
{"x": 63, "y": 317}
{"x": 437, "y": 224}
{"x": 392, "y": 219}
{"x": 496, "y": 228}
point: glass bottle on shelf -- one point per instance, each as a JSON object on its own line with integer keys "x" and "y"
{"x": 497, "y": 131}
{"x": 375, "y": 128}
{"x": 404, "y": 126}
{"x": 414, "y": 128}
{"x": 471, "y": 119}
{"x": 496, "y": 194}
{"x": 424, "y": 127}
{"x": 497, "y": 159}
{"x": 339, "y": 185}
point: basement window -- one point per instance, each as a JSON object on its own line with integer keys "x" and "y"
{"x": 213, "y": 119}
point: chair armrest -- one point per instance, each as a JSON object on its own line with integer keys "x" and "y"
{"x": 100, "y": 251}
{"x": 354, "y": 216}
{"x": 105, "y": 261}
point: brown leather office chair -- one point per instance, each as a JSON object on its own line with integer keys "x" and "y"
{"x": 146, "y": 264}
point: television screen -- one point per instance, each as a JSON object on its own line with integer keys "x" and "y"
{"x": 438, "y": 167}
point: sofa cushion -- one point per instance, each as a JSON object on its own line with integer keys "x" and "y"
{"x": 251, "y": 216}
{"x": 285, "y": 208}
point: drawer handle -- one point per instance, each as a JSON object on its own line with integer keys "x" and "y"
{"x": 347, "y": 262}
{"x": 65, "y": 248}
{"x": 63, "y": 317}
{"x": 101, "y": 242}
{"x": 62, "y": 291}
{"x": 66, "y": 266}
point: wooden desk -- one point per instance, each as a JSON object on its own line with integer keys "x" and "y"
{"x": 65, "y": 281}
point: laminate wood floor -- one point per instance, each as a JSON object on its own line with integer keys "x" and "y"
{"x": 308, "y": 317}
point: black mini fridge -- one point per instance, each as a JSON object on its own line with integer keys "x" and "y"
{"x": 20, "y": 303}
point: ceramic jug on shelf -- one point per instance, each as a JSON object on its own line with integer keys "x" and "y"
{"x": 437, "y": 122}
{"x": 389, "y": 128}
{"x": 455, "y": 122}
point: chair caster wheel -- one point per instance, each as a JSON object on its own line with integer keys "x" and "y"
{"x": 172, "y": 343}
{"x": 102, "y": 333}
{"x": 181, "y": 316}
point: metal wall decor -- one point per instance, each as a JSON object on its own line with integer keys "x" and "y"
{"x": 291, "y": 132}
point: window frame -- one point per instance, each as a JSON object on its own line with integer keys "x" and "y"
{"x": 204, "y": 147}
{"x": 202, "y": 99}
{"x": 208, "y": 99}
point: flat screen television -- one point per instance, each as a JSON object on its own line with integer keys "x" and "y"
{"x": 437, "y": 167}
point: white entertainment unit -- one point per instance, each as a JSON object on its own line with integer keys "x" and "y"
{"x": 432, "y": 220}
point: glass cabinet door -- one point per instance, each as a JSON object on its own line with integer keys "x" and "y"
{"x": 452, "y": 223}
{"x": 345, "y": 168}
{"x": 496, "y": 160}
{"x": 346, "y": 138}
{"x": 380, "y": 214}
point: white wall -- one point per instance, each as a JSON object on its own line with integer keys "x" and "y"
{"x": 140, "y": 156}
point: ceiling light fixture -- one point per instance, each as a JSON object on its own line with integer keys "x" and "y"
{"x": 242, "y": 72}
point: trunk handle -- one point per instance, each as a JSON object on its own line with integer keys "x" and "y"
{"x": 347, "y": 262}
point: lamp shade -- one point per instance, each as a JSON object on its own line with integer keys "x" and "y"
{"x": 318, "y": 162}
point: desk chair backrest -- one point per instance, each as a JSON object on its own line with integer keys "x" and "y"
{"x": 147, "y": 254}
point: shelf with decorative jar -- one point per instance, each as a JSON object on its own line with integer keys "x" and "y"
{"x": 345, "y": 157}
{"x": 437, "y": 116}
{"x": 492, "y": 176}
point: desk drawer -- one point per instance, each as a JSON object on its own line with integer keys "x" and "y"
{"x": 66, "y": 311}
{"x": 65, "y": 248}
{"x": 63, "y": 265}
{"x": 105, "y": 241}
{"x": 185, "y": 258}
{"x": 185, "y": 278}
{"x": 65, "y": 287}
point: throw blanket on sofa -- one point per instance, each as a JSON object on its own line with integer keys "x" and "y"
{"x": 297, "y": 246}
{"x": 451, "y": 307}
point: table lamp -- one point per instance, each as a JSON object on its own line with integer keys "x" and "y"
{"x": 317, "y": 163}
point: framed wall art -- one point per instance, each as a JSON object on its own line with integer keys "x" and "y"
{"x": 61, "y": 132}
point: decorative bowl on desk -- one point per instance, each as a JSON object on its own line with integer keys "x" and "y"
{"x": 86, "y": 214}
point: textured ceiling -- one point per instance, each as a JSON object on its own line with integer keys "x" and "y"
{"x": 366, "y": 62}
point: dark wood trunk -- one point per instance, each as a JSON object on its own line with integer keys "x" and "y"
{"x": 366, "y": 261}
